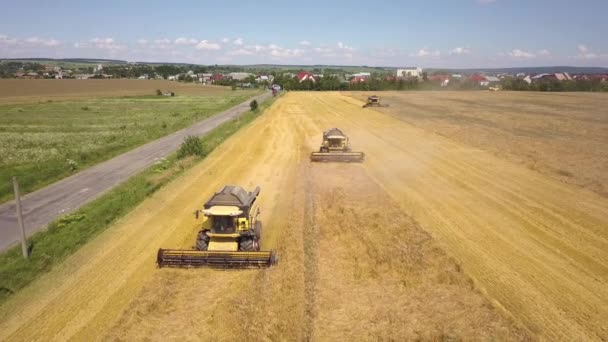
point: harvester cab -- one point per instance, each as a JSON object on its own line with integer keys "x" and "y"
{"x": 336, "y": 147}
{"x": 374, "y": 101}
{"x": 230, "y": 234}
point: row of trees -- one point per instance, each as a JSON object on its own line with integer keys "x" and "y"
{"x": 8, "y": 69}
{"x": 333, "y": 82}
{"x": 554, "y": 85}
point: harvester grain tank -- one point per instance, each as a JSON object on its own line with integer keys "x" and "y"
{"x": 229, "y": 237}
{"x": 374, "y": 101}
{"x": 335, "y": 147}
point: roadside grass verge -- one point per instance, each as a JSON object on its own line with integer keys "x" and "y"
{"x": 67, "y": 234}
{"x": 41, "y": 143}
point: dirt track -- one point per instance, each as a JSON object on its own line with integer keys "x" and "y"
{"x": 356, "y": 260}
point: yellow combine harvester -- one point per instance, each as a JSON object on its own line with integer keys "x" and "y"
{"x": 336, "y": 147}
{"x": 374, "y": 101}
{"x": 230, "y": 234}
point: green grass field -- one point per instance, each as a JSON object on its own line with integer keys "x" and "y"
{"x": 44, "y": 142}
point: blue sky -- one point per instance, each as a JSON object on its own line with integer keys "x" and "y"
{"x": 431, "y": 33}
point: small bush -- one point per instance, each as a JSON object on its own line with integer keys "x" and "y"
{"x": 84, "y": 108}
{"x": 254, "y": 105}
{"x": 72, "y": 165}
{"x": 67, "y": 219}
{"x": 192, "y": 146}
{"x": 158, "y": 92}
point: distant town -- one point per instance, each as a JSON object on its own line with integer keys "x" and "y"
{"x": 315, "y": 78}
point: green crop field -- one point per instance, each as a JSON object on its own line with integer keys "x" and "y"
{"x": 43, "y": 142}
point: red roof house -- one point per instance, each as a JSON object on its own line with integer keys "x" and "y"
{"x": 358, "y": 79}
{"x": 478, "y": 78}
{"x": 305, "y": 76}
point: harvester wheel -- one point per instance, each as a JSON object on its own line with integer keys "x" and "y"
{"x": 257, "y": 229}
{"x": 249, "y": 244}
{"x": 202, "y": 241}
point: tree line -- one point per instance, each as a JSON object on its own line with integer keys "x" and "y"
{"x": 594, "y": 85}
{"x": 333, "y": 79}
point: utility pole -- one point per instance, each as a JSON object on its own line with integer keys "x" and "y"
{"x": 24, "y": 248}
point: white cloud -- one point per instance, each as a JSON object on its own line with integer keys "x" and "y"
{"x": 163, "y": 41}
{"x": 42, "y": 42}
{"x": 160, "y": 44}
{"x": 280, "y": 52}
{"x": 238, "y": 41}
{"x": 241, "y": 52}
{"x": 206, "y": 45}
{"x": 6, "y": 40}
{"x": 142, "y": 42}
{"x": 104, "y": 44}
{"x": 585, "y": 53}
{"x": 322, "y": 50}
{"x": 460, "y": 51}
{"x": 342, "y": 46}
{"x": 340, "y": 50}
{"x": 52, "y": 42}
{"x": 425, "y": 52}
{"x": 521, "y": 54}
{"x": 544, "y": 52}
{"x": 186, "y": 41}
{"x": 304, "y": 43}
{"x": 225, "y": 40}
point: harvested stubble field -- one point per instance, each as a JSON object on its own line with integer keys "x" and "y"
{"x": 14, "y": 91}
{"x": 428, "y": 239}
{"x": 563, "y": 135}
{"x": 43, "y": 142}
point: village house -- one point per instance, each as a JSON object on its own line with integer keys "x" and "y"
{"x": 305, "y": 76}
{"x": 358, "y": 79}
{"x": 217, "y": 77}
{"x": 264, "y": 78}
{"x": 442, "y": 79}
{"x": 362, "y": 74}
{"x": 409, "y": 72}
{"x": 205, "y": 77}
{"x": 239, "y": 76}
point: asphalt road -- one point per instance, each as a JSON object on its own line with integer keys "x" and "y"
{"x": 67, "y": 195}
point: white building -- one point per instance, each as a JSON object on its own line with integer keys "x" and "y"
{"x": 362, "y": 74}
{"x": 410, "y": 72}
{"x": 239, "y": 76}
{"x": 264, "y": 78}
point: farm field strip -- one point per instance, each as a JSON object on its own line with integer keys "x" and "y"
{"x": 331, "y": 244}
{"x": 537, "y": 246}
{"x": 15, "y": 91}
{"x": 562, "y": 135}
